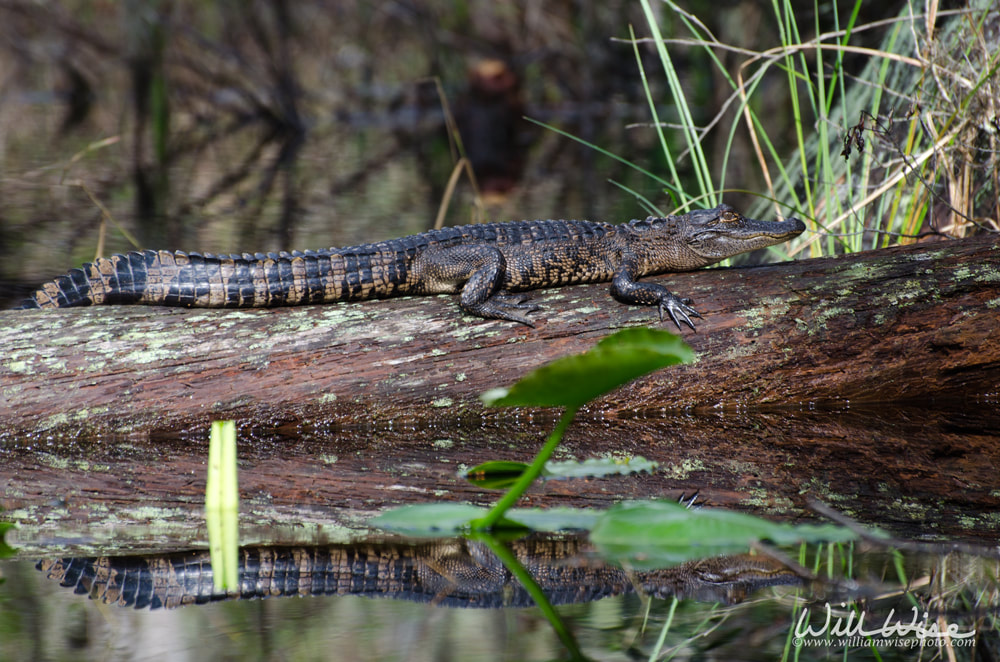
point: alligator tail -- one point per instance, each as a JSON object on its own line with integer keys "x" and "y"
{"x": 224, "y": 281}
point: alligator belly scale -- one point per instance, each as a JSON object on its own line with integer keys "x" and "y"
{"x": 486, "y": 264}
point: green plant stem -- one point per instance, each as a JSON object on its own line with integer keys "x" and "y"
{"x": 534, "y": 590}
{"x": 655, "y": 655}
{"x": 534, "y": 470}
{"x": 222, "y": 506}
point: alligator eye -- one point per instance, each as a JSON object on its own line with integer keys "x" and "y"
{"x": 729, "y": 217}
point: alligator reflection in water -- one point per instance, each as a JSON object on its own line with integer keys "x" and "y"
{"x": 455, "y": 573}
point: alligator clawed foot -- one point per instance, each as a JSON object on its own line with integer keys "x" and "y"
{"x": 505, "y": 306}
{"x": 690, "y": 501}
{"x": 680, "y": 310}
{"x": 515, "y": 301}
{"x": 509, "y": 298}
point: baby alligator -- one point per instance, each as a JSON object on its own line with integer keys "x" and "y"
{"x": 485, "y": 263}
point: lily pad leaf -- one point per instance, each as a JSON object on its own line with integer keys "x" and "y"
{"x": 495, "y": 474}
{"x": 430, "y": 519}
{"x": 444, "y": 519}
{"x": 664, "y": 533}
{"x": 555, "y": 519}
{"x": 575, "y": 380}
{"x": 596, "y": 467}
{"x": 501, "y": 474}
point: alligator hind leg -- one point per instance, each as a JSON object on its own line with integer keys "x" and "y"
{"x": 477, "y": 271}
{"x": 502, "y": 305}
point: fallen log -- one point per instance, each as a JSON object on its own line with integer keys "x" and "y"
{"x": 901, "y": 324}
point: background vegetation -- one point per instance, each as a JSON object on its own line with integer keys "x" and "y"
{"x": 231, "y": 126}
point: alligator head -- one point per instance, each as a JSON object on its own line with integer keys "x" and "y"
{"x": 716, "y": 234}
{"x": 705, "y": 236}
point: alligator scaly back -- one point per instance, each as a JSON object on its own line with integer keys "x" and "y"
{"x": 368, "y": 271}
{"x": 487, "y": 264}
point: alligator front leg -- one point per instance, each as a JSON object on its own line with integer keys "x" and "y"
{"x": 478, "y": 269}
{"x": 625, "y": 288}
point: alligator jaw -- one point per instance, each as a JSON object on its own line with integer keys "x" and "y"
{"x": 718, "y": 233}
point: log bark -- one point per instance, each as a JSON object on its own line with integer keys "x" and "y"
{"x": 902, "y": 324}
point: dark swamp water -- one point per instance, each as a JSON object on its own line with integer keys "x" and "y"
{"x": 112, "y": 538}
{"x": 111, "y": 533}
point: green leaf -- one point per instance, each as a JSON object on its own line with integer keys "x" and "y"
{"x": 495, "y": 474}
{"x": 555, "y": 519}
{"x": 429, "y": 519}
{"x": 597, "y": 467}
{"x": 5, "y": 549}
{"x": 501, "y": 474}
{"x": 575, "y": 380}
{"x": 442, "y": 519}
{"x": 663, "y": 533}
